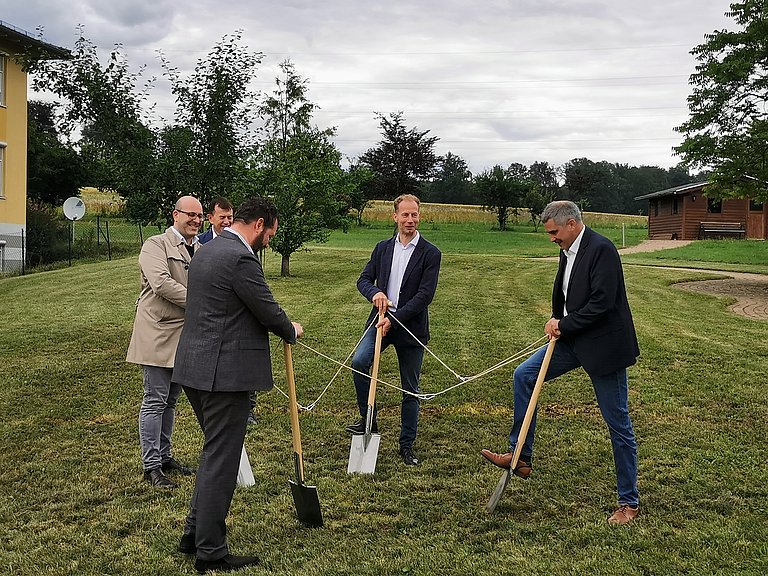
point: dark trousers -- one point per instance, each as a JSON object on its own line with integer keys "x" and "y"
{"x": 409, "y": 358}
{"x": 223, "y": 418}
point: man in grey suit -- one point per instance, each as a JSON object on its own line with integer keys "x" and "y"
{"x": 223, "y": 354}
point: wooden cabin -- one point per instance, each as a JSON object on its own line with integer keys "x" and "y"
{"x": 686, "y": 213}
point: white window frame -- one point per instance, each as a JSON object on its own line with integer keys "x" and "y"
{"x": 3, "y": 146}
{"x": 3, "y": 68}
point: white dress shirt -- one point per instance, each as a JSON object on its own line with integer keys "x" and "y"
{"x": 570, "y": 258}
{"x": 401, "y": 255}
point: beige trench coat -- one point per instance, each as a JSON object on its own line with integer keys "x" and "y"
{"x": 164, "y": 262}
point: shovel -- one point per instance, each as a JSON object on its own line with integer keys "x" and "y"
{"x": 504, "y": 480}
{"x": 304, "y": 497}
{"x": 245, "y": 472}
{"x": 365, "y": 449}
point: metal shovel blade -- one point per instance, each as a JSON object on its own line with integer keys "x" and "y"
{"x": 496, "y": 496}
{"x": 307, "y": 504}
{"x": 363, "y": 453}
{"x": 245, "y": 472}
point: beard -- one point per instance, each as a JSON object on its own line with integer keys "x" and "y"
{"x": 258, "y": 242}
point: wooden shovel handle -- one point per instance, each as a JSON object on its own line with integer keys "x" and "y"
{"x": 294, "y": 409}
{"x": 532, "y": 403}
{"x": 375, "y": 366}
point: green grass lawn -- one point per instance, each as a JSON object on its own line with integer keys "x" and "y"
{"x": 72, "y": 501}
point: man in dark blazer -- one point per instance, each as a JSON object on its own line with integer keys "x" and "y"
{"x": 400, "y": 280}
{"x": 223, "y": 354}
{"x": 593, "y": 324}
{"x": 219, "y": 218}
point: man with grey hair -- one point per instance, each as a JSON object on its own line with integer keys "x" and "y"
{"x": 593, "y": 324}
{"x": 163, "y": 261}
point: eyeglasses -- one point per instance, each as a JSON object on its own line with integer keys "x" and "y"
{"x": 192, "y": 214}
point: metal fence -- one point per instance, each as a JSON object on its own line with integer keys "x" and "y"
{"x": 100, "y": 238}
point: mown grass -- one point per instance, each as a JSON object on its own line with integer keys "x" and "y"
{"x": 72, "y": 500}
{"x": 733, "y": 255}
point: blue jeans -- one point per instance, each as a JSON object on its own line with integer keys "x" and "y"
{"x": 156, "y": 416}
{"x": 611, "y": 391}
{"x": 409, "y": 359}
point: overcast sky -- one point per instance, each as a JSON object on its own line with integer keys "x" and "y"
{"x": 496, "y": 81}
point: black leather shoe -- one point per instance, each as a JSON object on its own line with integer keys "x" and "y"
{"x": 173, "y": 466}
{"x": 187, "y": 544}
{"x": 359, "y": 427}
{"x": 408, "y": 456}
{"x": 228, "y": 563}
{"x": 158, "y": 479}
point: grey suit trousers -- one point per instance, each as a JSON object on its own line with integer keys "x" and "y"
{"x": 223, "y": 418}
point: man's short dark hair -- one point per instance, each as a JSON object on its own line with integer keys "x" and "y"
{"x": 222, "y": 203}
{"x": 257, "y": 207}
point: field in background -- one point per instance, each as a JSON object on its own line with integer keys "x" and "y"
{"x": 381, "y": 211}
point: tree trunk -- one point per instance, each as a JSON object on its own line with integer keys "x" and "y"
{"x": 284, "y": 266}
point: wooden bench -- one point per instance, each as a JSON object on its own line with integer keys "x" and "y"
{"x": 721, "y": 230}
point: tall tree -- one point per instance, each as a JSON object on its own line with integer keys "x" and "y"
{"x": 54, "y": 169}
{"x": 727, "y": 129}
{"x": 452, "y": 183}
{"x": 217, "y": 107}
{"x": 299, "y": 167}
{"x": 103, "y": 110}
{"x": 403, "y": 159}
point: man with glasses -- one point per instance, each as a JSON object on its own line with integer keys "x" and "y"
{"x": 163, "y": 262}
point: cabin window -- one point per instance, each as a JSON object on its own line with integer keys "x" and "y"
{"x": 675, "y": 207}
{"x": 714, "y": 206}
{"x": 755, "y": 206}
{"x": 655, "y": 207}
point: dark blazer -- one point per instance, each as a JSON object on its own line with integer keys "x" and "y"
{"x": 599, "y": 323}
{"x": 224, "y": 346}
{"x": 206, "y": 236}
{"x": 416, "y": 291}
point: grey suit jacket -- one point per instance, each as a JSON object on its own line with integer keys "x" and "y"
{"x": 224, "y": 346}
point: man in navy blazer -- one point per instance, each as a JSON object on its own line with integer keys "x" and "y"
{"x": 222, "y": 355}
{"x": 219, "y": 218}
{"x": 593, "y": 324}
{"x": 400, "y": 280}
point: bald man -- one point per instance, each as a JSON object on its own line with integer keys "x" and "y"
{"x": 163, "y": 261}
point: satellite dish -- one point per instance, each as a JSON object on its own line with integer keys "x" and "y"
{"x": 74, "y": 208}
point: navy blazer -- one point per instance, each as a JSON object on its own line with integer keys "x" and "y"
{"x": 206, "y": 236}
{"x": 224, "y": 345}
{"x": 416, "y": 291}
{"x": 599, "y": 322}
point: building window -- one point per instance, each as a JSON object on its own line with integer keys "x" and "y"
{"x": 2, "y": 170}
{"x": 2, "y": 79}
{"x": 755, "y": 206}
{"x": 714, "y": 206}
{"x": 675, "y": 208}
{"x": 655, "y": 205}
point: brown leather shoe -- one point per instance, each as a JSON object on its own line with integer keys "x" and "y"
{"x": 624, "y": 515}
{"x": 523, "y": 469}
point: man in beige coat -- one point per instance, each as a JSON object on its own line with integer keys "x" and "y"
{"x": 164, "y": 261}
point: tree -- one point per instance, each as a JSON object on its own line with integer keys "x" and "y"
{"x": 402, "y": 160}
{"x": 591, "y": 185}
{"x": 102, "y": 112}
{"x": 217, "y": 109}
{"x": 502, "y": 191}
{"x": 54, "y": 169}
{"x": 360, "y": 180}
{"x": 452, "y": 183}
{"x": 727, "y": 128}
{"x": 544, "y": 190}
{"x": 299, "y": 167}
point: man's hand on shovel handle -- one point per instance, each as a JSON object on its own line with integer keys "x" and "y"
{"x": 552, "y": 328}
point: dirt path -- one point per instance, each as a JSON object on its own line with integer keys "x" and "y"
{"x": 750, "y": 290}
